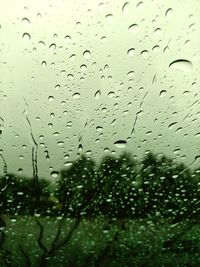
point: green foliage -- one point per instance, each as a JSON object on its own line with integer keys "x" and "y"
{"x": 119, "y": 187}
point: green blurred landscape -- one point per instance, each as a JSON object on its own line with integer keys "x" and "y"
{"x": 122, "y": 212}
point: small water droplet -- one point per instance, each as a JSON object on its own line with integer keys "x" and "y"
{"x": 86, "y": 54}
{"x": 171, "y": 125}
{"x": 76, "y": 95}
{"x": 131, "y": 52}
{"x": 26, "y": 21}
{"x": 83, "y": 67}
{"x": 109, "y": 18}
{"x": 168, "y": 13}
{"x": 140, "y": 5}
{"x": 52, "y": 47}
{"x": 26, "y": 36}
{"x": 97, "y": 94}
{"x": 144, "y": 53}
{"x": 54, "y": 174}
{"x": 72, "y": 57}
{"x": 125, "y": 8}
{"x": 120, "y": 144}
{"x": 162, "y": 93}
{"x": 111, "y": 94}
{"x": 68, "y": 39}
{"x": 182, "y": 65}
{"x": 68, "y": 163}
{"x": 130, "y": 74}
{"x": 50, "y": 98}
{"x": 57, "y": 86}
{"x": 70, "y": 76}
{"x": 133, "y": 28}
{"x": 44, "y": 64}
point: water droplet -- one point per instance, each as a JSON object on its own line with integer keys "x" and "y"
{"x": 182, "y": 65}
{"x": 130, "y": 74}
{"x": 97, "y": 94}
{"x": 68, "y": 163}
{"x": 140, "y": 5}
{"x": 44, "y": 64}
{"x": 163, "y": 93}
{"x": 72, "y": 57}
{"x": 144, "y": 53}
{"x": 50, "y": 98}
{"x": 86, "y": 54}
{"x": 125, "y": 8}
{"x": 133, "y": 28}
{"x": 68, "y": 39}
{"x": 111, "y": 94}
{"x": 26, "y": 36}
{"x": 131, "y": 52}
{"x": 168, "y": 13}
{"x": 76, "y": 95}
{"x": 52, "y": 47}
{"x": 99, "y": 128}
{"x": 83, "y": 67}
{"x": 120, "y": 144}
{"x": 70, "y": 76}
{"x": 109, "y": 18}
{"x": 57, "y": 86}
{"x": 171, "y": 125}
{"x": 54, "y": 174}
{"x": 26, "y": 21}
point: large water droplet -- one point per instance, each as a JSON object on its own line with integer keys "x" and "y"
{"x": 120, "y": 144}
{"x": 182, "y": 65}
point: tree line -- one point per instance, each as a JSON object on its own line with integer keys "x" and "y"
{"x": 121, "y": 187}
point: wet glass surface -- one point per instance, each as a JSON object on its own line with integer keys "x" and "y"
{"x": 99, "y": 133}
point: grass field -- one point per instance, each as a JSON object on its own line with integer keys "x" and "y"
{"x": 36, "y": 241}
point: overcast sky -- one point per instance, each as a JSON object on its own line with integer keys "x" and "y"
{"x": 78, "y": 76}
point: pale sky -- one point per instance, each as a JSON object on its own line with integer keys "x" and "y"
{"x": 95, "y": 72}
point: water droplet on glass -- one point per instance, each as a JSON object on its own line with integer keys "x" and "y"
{"x": 76, "y": 95}
{"x": 26, "y": 21}
{"x": 109, "y": 18}
{"x": 54, "y": 174}
{"x": 130, "y": 74}
{"x": 68, "y": 39}
{"x": 97, "y": 94}
{"x": 131, "y": 52}
{"x": 163, "y": 93}
{"x": 86, "y": 54}
{"x": 44, "y": 64}
{"x": 70, "y": 76}
{"x": 52, "y": 47}
{"x": 125, "y": 8}
{"x": 133, "y": 28}
{"x": 83, "y": 67}
{"x": 26, "y": 36}
{"x": 68, "y": 163}
{"x": 182, "y": 65}
{"x": 140, "y": 5}
{"x": 57, "y": 86}
{"x": 168, "y": 13}
{"x": 120, "y": 144}
{"x": 144, "y": 53}
{"x": 50, "y": 98}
